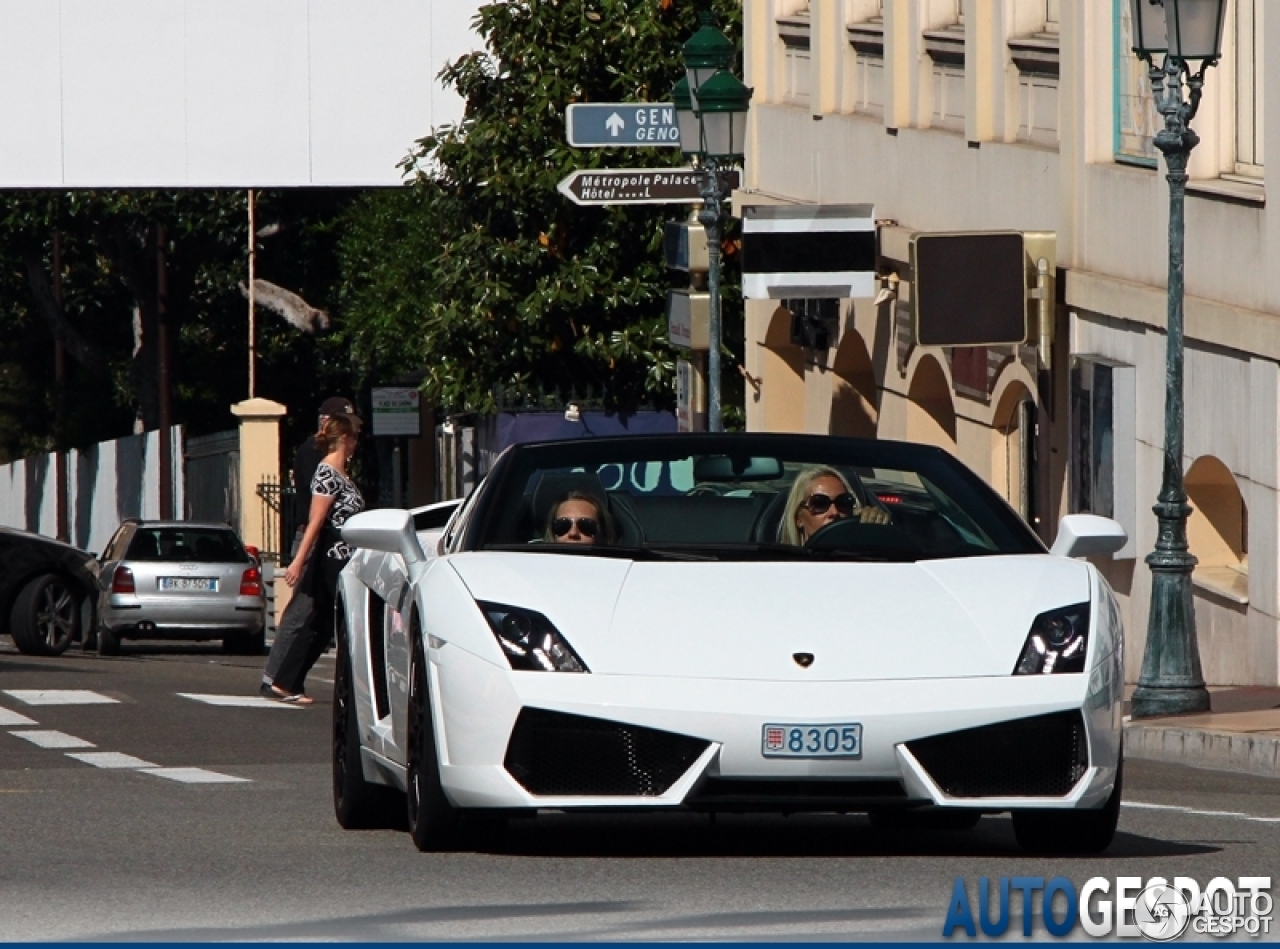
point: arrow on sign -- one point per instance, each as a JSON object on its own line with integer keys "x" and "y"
{"x": 639, "y": 185}
{"x": 615, "y": 124}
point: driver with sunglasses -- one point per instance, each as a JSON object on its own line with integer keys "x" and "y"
{"x": 820, "y": 496}
{"x": 579, "y": 518}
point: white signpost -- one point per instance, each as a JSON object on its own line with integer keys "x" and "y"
{"x": 601, "y": 186}
{"x": 396, "y": 412}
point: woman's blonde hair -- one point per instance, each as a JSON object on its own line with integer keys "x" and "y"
{"x": 788, "y": 530}
{"x": 333, "y": 430}
{"x": 603, "y": 517}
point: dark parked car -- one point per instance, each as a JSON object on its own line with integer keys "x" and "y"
{"x": 47, "y": 592}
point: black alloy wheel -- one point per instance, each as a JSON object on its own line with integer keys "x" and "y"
{"x": 434, "y": 823}
{"x": 45, "y": 620}
{"x": 357, "y": 804}
{"x": 1070, "y": 832}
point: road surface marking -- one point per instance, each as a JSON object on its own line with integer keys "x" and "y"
{"x": 60, "y": 697}
{"x": 236, "y": 701}
{"x": 109, "y": 759}
{"x": 8, "y": 719}
{"x": 1238, "y": 815}
{"x": 193, "y": 775}
{"x": 52, "y": 739}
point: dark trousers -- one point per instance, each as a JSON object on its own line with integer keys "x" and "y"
{"x": 297, "y": 614}
{"x": 313, "y": 637}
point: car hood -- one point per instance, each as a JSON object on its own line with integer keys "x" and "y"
{"x": 934, "y": 619}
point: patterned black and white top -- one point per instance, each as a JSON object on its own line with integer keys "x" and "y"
{"x": 329, "y": 482}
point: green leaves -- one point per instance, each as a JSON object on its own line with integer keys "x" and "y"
{"x": 479, "y": 271}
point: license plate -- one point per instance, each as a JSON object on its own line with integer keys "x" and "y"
{"x": 198, "y": 584}
{"x": 812, "y": 741}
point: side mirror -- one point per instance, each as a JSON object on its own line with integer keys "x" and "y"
{"x": 1083, "y": 535}
{"x": 389, "y": 530}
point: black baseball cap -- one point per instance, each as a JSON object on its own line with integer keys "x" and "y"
{"x": 337, "y": 405}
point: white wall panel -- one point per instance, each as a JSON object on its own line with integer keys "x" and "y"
{"x": 30, "y": 93}
{"x": 222, "y": 93}
{"x": 247, "y": 97}
{"x": 363, "y": 121}
{"x": 123, "y": 109}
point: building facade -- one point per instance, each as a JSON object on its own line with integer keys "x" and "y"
{"x": 1034, "y": 116}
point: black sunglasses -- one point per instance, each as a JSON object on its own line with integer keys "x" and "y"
{"x": 587, "y": 525}
{"x": 820, "y": 503}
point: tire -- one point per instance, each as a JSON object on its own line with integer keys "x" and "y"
{"x": 1070, "y": 832}
{"x": 942, "y": 819}
{"x": 434, "y": 823}
{"x": 45, "y": 620}
{"x": 108, "y": 642}
{"x": 245, "y": 644}
{"x": 357, "y": 804}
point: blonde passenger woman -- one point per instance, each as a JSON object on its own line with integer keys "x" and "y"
{"x": 820, "y": 496}
{"x": 322, "y": 553}
{"x": 579, "y": 519}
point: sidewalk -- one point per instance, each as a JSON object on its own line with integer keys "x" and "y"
{"x": 1241, "y": 732}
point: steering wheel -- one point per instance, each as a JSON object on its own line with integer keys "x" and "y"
{"x": 853, "y": 534}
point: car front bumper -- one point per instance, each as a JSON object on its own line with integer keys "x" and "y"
{"x": 478, "y": 706}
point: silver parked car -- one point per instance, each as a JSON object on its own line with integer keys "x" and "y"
{"x": 180, "y": 580}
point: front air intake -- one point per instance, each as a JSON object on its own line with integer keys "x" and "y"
{"x": 551, "y": 753}
{"x": 1031, "y": 757}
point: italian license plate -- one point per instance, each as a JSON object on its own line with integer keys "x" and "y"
{"x": 812, "y": 741}
{"x": 197, "y": 584}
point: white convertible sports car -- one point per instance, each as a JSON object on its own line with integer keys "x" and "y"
{"x": 922, "y": 658}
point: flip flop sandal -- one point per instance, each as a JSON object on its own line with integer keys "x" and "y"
{"x": 299, "y": 699}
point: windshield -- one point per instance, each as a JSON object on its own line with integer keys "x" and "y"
{"x": 744, "y": 497}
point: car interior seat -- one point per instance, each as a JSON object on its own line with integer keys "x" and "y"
{"x": 144, "y": 546}
{"x": 768, "y": 529}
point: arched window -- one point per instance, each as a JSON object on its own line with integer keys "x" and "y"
{"x": 1218, "y": 529}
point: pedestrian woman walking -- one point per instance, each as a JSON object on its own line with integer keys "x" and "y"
{"x": 334, "y": 498}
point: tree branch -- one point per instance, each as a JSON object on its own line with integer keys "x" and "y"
{"x": 79, "y": 348}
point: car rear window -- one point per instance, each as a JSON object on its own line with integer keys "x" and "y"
{"x": 192, "y": 545}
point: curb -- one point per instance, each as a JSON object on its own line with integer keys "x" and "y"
{"x": 1218, "y": 751}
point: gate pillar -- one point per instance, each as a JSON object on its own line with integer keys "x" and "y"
{"x": 259, "y": 462}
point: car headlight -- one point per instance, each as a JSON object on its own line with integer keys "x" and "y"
{"x": 1058, "y": 642}
{"x": 529, "y": 641}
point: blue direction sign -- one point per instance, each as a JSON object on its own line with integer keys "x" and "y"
{"x": 622, "y": 125}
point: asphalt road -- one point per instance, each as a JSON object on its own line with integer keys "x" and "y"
{"x": 230, "y": 835}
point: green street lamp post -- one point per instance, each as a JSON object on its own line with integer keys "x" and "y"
{"x": 1187, "y": 34}
{"x": 711, "y": 114}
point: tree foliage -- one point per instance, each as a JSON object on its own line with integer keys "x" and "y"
{"x": 480, "y": 274}
{"x": 108, "y": 315}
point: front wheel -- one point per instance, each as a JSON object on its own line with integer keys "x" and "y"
{"x": 357, "y": 804}
{"x": 45, "y": 620}
{"x": 434, "y": 823}
{"x": 1070, "y": 832}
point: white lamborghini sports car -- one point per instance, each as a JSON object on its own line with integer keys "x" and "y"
{"x": 922, "y": 658}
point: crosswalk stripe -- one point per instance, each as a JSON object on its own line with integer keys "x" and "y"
{"x": 235, "y": 701}
{"x": 194, "y": 776}
{"x": 109, "y": 759}
{"x": 60, "y": 697}
{"x": 10, "y": 718}
{"x": 53, "y": 739}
